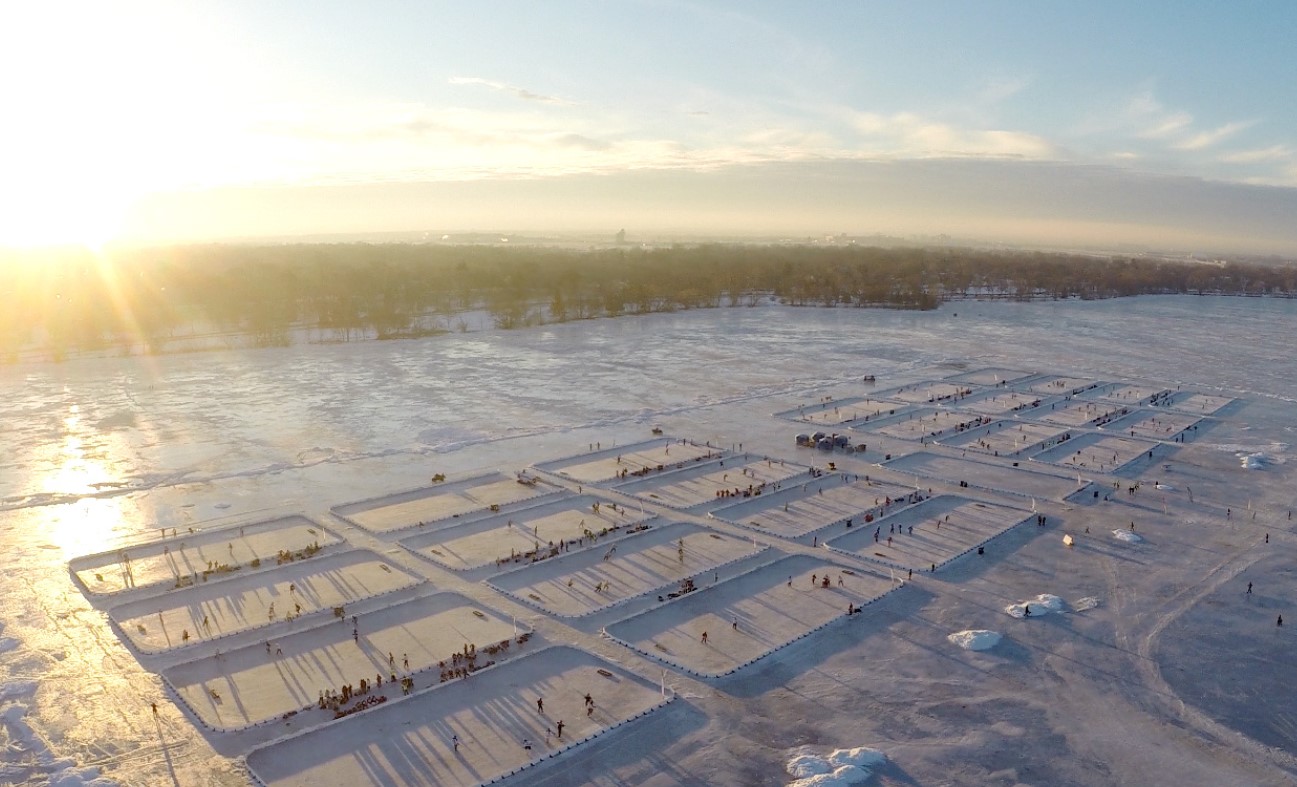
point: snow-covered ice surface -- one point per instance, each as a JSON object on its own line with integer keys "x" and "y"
{"x": 98, "y": 456}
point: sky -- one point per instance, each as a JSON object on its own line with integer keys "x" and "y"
{"x": 1166, "y": 124}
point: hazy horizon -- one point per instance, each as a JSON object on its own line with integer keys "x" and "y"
{"x": 149, "y": 122}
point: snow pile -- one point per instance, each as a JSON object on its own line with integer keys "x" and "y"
{"x": 841, "y": 768}
{"x": 28, "y": 757}
{"x": 1082, "y": 604}
{"x": 975, "y": 639}
{"x": 1040, "y": 605}
{"x": 1256, "y": 457}
{"x": 1259, "y": 460}
{"x": 1129, "y": 536}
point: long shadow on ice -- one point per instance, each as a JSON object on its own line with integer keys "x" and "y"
{"x": 629, "y": 757}
{"x": 810, "y": 652}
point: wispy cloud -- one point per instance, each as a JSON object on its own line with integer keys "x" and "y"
{"x": 908, "y": 134}
{"x": 1205, "y": 139}
{"x": 999, "y": 89}
{"x": 1147, "y": 118}
{"x": 1272, "y": 153}
{"x": 514, "y": 90}
{"x": 1167, "y": 125}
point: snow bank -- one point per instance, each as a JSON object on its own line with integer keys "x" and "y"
{"x": 975, "y": 639}
{"x": 1129, "y": 536}
{"x": 1082, "y": 604}
{"x": 1040, "y": 605}
{"x": 841, "y": 768}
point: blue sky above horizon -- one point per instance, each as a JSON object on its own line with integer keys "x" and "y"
{"x": 120, "y": 106}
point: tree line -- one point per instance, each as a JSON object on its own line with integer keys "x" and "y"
{"x": 70, "y": 302}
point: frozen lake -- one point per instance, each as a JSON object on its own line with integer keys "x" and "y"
{"x": 101, "y": 454}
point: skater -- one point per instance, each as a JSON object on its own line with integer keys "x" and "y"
{"x": 1279, "y": 622}
{"x": 1026, "y": 611}
{"x": 155, "y": 708}
{"x": 704, "y": 637}
{"x": 540, "y": 704}
{"x": 454, "y": 741}
{"x": 589, "y": 701}
{"x": 736, "y": 624}
{"x": 1249, "y": 588}
{"x": 526, "y": 744}
{"x": 560, "y": 728}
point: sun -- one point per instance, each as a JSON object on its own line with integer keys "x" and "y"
{"x": 85, "y": 217}
{"x": 132, "y": 100}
